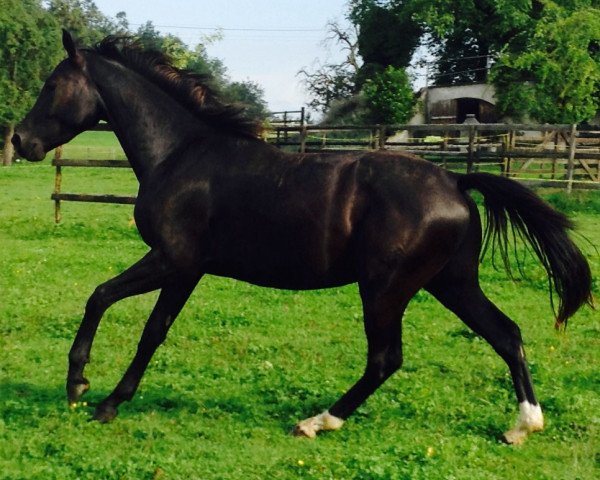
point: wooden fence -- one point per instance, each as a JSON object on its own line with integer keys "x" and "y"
{"x": 559, "y": 155}
{"x": 563, "y": 156}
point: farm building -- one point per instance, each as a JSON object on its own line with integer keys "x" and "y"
{"x": 452, "y": 104}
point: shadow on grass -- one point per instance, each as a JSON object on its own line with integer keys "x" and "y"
{"x": 22, "y": 402}
{"x": 27, "y": 403}
{"x": 23, "y": 399}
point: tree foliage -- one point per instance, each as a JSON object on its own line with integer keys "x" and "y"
{"x": 327, "y": 84}
{"x": 249, "y": 94}
{"x": 556, "y": 77}
{"x": 83, "y": 19}
{"x": 547, "y": 51}
{"x": 390, "y": 96}
{"x": 460, "y": 34}
{"x": 30, "y": 47}
{"x": 387, "y": 35}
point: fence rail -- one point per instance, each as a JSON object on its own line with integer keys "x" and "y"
{"x": 563, "y": 156}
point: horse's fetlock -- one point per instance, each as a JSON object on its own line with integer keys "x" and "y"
{"x": 77, "y": 357}
{"x": 76, "y": 389}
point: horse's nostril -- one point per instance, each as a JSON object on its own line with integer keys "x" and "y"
{"x": 16, "y": 140}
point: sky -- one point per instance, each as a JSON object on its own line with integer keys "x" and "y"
{"x": 265, "y": 41}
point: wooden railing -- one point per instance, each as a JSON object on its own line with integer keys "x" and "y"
{"x": 564, "y": 156}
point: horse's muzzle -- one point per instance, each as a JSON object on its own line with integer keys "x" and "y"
{"x": 30, "y": 150}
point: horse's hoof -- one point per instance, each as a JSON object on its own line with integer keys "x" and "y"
{"x": 75, "y": 390}
{"x": 105, "y": 413}
{"x": 311, "y": 426}
{"x": 304, "y": 431}
{"x": 530, "y": 420}
{"x": 515, "y": 436}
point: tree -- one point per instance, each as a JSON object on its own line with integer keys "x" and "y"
{"x": 149, "y": 37}
{"x": 462, "y": 35}
{"x": 84, "y": 20}
{"x": 327, "y": 84}
{"x": 249, "y": 95}
{"x": 390, "y": 96}
{"x": 334, "y": 82}
{"x": 388, "y": 35}
{"x": 203, "y": 63}
{"x": 556, "y": 77}
{"x": 546, "y": 51}
{"x": 29, "y": 48}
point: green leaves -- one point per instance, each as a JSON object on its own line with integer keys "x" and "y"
{"x": 390, "y": 96}
{"x": 29, "y": 48}
{"x": 556, "y": 77}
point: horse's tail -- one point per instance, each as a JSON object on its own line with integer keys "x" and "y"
{"x": 545, "y": 229}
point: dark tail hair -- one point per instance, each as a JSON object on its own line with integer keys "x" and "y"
{"x": 513, "y": 211}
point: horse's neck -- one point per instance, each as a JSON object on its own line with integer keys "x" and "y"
{"x": 149, "y": 124}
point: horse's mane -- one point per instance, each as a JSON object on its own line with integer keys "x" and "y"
{"x": 192, "y": 90}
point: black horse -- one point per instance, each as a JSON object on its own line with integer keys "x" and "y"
{"x": 215, "y": 199}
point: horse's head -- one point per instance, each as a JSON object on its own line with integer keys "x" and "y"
{"x": 67, "y": 105}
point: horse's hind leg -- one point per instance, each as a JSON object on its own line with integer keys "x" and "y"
{"x": 149, "y": 274}
{"x": 481, "y": 315}
{"x": 457, "y": 288}
{"x": 170, "y": 302}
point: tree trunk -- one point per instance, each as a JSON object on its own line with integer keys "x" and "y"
{"x": 9, "y": 150}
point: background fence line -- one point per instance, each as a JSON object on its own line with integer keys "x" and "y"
{"x": 562, "y": 156}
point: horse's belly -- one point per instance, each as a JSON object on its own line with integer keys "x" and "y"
{"x": 292, "y": 274}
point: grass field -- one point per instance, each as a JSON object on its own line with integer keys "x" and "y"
{"x": 242, "y": 364}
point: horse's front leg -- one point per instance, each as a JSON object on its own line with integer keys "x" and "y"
{"x": 149, "y": 274}
{"x": 170, "y": 302}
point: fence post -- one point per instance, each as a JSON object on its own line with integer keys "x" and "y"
{"x": 278, "y": 133}
{"x": 303, "y": 135}
{"x": 505, "y": 164}
{"x": 444, "y": 148}
{"x": 373, "y": 138}
{"x": 57, "y": 184}
{"x": 381, "y": 137}
{"x": 471, "y": 148}
{"x": 571, "y": 164}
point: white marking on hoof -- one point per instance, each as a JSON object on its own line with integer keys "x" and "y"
{"x": 530, "y": 420}
{"x": 311, "y": 426}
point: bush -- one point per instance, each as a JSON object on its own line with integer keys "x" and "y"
{"x": 390, "y": 96}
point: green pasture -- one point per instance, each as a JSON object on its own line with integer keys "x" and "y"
{"x": 242, "y": 364}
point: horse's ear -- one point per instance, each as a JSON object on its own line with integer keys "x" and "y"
{"x": 70, "y": 47}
